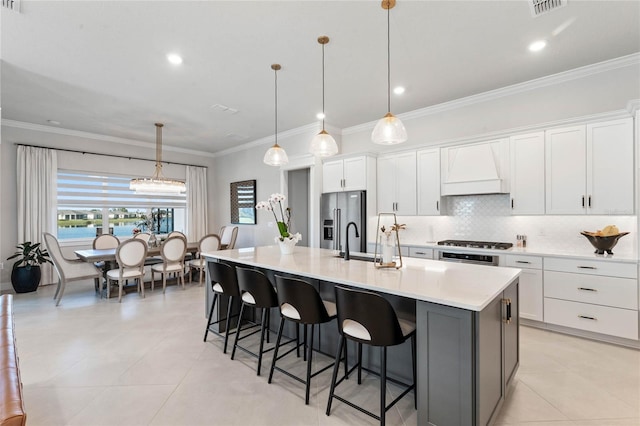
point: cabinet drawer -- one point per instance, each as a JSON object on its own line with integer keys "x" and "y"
{"x": 593, "y": 267}
{"x": 598, "y": 319}
{"x": 529, "y": 262}
{"x": 608, "y": 291}
{"x": 421, "y": 252}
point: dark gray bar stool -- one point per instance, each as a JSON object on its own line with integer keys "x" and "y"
{"x": 257, "y": 292}
{"x": 369, "y": 318}
{"x": 223, "y": 283}
{"x": 300, "y": 303}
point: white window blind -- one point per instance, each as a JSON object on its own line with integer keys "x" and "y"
{"x": 83, "y": 189}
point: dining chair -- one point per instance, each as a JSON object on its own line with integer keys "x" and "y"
{"x": 102, "y": 242}
{"x": 206, "y": 244}
{"x": 144, "y": 236}
{"x": 172, "y": 252}
{"x": 68, "y": 269}
{"x": 178, "y": 233}
{"x": 130, "y": 256}
{"x": 228, "y": 235}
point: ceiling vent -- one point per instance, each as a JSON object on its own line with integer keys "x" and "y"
{"x": 224, "y": 108}
{"x": 540, "y": 7}
{"x": 13, "y": 5}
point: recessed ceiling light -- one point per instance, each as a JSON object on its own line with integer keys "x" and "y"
{"x": 174, "y": 58}
{"x": 537, "y": 45}
{"x": 320, "y": 116}
{"x": 398, "y": 90}
{"x": 54, "y": 122}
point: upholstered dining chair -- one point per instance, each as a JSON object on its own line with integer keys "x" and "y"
{"x": 206, "y": 244}
{"x": 130, "y": 256}
{"x": 178, "y": 233}
{"x": 172, "y": 252}
{"x": 104, "y": 241}
{"x": 228, "y": 235}
{"x": 68, "y": 269}
{"x": 144, "y": 236}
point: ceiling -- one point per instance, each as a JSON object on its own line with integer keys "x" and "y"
{"x": 100, "y": 66}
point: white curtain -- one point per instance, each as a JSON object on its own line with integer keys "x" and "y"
{"x": 37, "y": 170}
{"x": 196, "y": 202}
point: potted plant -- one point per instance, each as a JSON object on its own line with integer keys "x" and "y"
{"x": 25, "y": 275}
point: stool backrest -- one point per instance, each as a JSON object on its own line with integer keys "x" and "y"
{"x": 304, "y": 297}
{"x": 225, "y": 275}
{"x": 367, "y": 317}
{"x": 258, "y": 285}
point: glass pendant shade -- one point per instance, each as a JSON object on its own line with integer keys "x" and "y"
{"x": 275, "y": 156}
{"x": 157, "y": 184}
{"x": 389, "y": 130}
{"x": 323, "y": 145}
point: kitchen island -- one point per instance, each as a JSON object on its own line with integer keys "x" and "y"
{"x": 466, "y": 316}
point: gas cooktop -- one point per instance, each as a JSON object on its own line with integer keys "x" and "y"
{"x": 476, "y": 244}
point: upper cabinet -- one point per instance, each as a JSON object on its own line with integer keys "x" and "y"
{"x": 589, "y": 169}
{"x": 527, "y": 173}
{"x": 396, "y": 182}
{"x": 428, "y": 172}
{"x": 348, "y": 174}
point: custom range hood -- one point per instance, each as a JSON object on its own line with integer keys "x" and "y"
{"x": 478, "y": 168}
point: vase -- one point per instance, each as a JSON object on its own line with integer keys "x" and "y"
{"x": 287, "y": 245}
{"x": 387, "y": 250}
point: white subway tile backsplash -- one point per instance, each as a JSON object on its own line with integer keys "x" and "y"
{"x": 488, "y": 217}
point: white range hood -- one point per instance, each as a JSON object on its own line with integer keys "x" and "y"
{"x": 478, "y": 168}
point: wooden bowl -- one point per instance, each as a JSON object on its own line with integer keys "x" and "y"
{"x": 603, "y": 244}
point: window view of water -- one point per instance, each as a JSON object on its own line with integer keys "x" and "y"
{"x": 71, "y": 232}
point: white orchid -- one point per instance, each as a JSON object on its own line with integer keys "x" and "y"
{"x": 284, "y": 221}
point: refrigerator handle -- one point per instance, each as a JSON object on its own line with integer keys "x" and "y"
{"x": 338, "y": 228}
{"x": 335, "y": 216}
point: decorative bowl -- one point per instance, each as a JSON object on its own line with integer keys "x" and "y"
{"x": 603, "y": 244}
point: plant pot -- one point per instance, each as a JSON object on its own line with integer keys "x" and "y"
{"x": 25, "y": 279}
{"x": 286, "y": 246}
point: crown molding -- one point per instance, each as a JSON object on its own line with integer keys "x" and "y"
{"x": 633, "y": 106}
{"x": 98, "y": 137}
{"x": 574, "y": 74}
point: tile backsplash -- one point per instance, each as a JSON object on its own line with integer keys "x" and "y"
{"x": 488, "y": 218}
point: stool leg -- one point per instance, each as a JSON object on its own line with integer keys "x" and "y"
{"x": 235, "y": 341}
{"x": 305, "y": 341}
{"x": 268, "y": 323}
{"x": 383, "y": 384}
{"x": 346, "y": 359}
{"x": 297, "y": 340}
{"x": 415, "y": 382}
{"x": 265, "y": 315}
{"x": 310, "y": 349}
{"x": 275, "y": 351}
{"x": 336, "y": 366}
{"x": 213, "y": 304}
{"x": 226, "y": 333}
{"x": 359, "y": 363}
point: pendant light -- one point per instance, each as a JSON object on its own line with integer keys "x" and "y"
{"x": 323, "y": 144}
{"x": 389, "y": 129}
{"x": 157, "y": 184}
{"x": 276, "y": 156}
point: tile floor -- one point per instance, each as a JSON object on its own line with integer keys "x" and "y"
{"x": 143, "y": 362}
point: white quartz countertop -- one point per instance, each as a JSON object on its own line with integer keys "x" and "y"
{"x": 464, "y": 286}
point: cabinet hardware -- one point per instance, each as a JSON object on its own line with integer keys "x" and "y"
{"x": 583, "y": 201}
{"x": 507, "y": 303}
{"x": 587, "y": 267}
{"x": 523, "y": 261}
{"x": 587, "y": 289}
{"x": 589, "y": 201}
{"x": 420, "y": 252}
{"x": 587, "y": 317}
{"x": 512, "y": 203}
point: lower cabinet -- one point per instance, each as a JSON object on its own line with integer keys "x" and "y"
{"x": 531, "y": 296}
{"x": 471, "y": 360}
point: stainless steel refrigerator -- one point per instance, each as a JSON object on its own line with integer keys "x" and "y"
{"x": 337, "y": 209}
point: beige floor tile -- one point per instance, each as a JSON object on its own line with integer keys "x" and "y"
{"x": 56, "y": 406}
{"x": 523, "y": 404}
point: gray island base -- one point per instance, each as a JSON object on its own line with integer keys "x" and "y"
{"x": 466, "y": 316}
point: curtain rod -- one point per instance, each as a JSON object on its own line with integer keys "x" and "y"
{"x": 128, "y": 157}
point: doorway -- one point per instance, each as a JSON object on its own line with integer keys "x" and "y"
{"x": 298, "y": 191}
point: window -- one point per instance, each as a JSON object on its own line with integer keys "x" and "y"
{"x": 88, "y": 204}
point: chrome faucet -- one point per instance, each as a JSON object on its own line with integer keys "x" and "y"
{"x": 346, "y": 246}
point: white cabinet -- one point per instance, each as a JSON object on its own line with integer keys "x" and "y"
{"x": 348, "y": 174}
{"x": 527, "y": 175}
{"x": 589, "y": 169}
{"x": 531, "y": 295}
{"x": 396, "y": 178}
{"x": 596, "y": 296}
{"x": 424, "y": 253}
{"x": 428, "y": 181}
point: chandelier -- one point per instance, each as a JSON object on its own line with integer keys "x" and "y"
{"x": 157, "y": 184}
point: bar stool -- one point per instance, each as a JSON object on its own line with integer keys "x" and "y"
{"x": 369, "y": 318}
{"x": 300, "y": 303}
{"x": 257, "y": 292}
{"x": 223, "y": 283}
